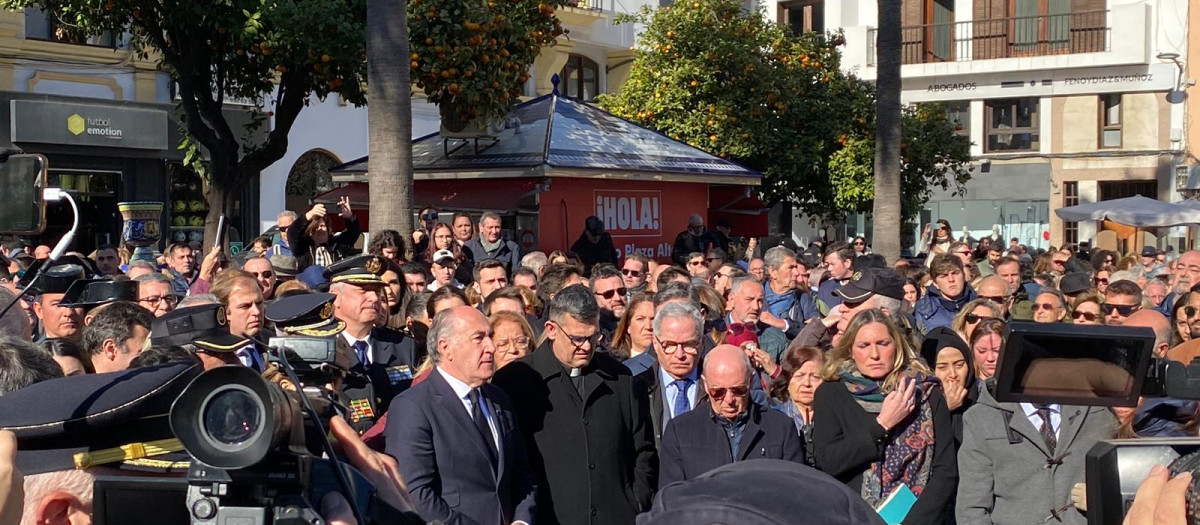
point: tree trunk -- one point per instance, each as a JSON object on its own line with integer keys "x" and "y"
{"x": 885, "y": 227}
{"x": 389, "y": 112}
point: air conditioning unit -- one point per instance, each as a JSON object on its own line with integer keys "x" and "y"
{"x": 453, "y": 126}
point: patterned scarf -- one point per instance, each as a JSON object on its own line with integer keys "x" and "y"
{"x": 908, "y": 456}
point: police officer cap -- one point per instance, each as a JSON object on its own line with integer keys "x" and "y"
{"x": 747, "y": 493}
{"x": 58, "y": 277}
{"x": 90, "y": 293}
{"x": 869, "y": 281}
{"x": 205, "y": 326}
{"x": 118, "y": 419}
{"x": 361, "y": 270}
{"x": 308, "y": 314}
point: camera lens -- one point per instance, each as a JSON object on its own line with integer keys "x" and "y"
{"x": 232, "y": 417}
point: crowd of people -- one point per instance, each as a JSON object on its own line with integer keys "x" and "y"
{"x": 484, "y": 385}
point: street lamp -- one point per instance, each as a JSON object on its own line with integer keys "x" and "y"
{"x": 1174, "y": 57}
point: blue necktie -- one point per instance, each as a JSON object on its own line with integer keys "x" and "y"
{"x": 682, "y": 403}
{"x": 360, "y": 348}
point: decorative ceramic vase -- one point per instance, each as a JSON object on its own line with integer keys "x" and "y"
{"x": 141, "y": 227}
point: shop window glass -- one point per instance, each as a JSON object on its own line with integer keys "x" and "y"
{"x": 803, "y": 16}
{"x": 1012, "y": 125}
{"x": 1070, "y": 198}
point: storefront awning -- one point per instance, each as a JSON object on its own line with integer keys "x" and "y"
{"x": 561, "y": 137}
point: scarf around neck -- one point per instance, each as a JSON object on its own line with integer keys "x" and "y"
{"x": 908, "y": 455}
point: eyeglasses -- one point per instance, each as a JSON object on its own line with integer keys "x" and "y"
{"x": 610, "y": 293}
{"x": 631, "y": 273}
{"x": 688, "y": 347}
{"x": 711, "y": 259}
{"x": 1101, "y": 280}
{"x": 265, "y": 275}
{"x": 1122, "y": 310}
{"x": 516, "y": 343}
{"x": 999, "y": 299}
{"x": 859, "y": 243}
{"x": 1044, "y": 306}
{"x": 720, "y": 393}
{"x": 1089, "y": 316}
{"x": 972, "y": 318}
{"x": 695, "y": 263}
{"x": 153, "y": 300}
{"x": 579, "y": 340}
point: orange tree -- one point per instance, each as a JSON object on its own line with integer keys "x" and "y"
{"x": 754, "y": 92}
{"x": 472, "y": 56}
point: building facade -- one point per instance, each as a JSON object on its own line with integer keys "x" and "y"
{"x": 594, "y": 57}
{"x": 1065, "y": 101}
{"x": 106, "y": 121}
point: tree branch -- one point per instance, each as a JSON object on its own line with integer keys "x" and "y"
{"x": 294, "y": 90}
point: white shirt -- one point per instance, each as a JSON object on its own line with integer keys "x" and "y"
{"x": 463, "y": 391}
{"x": 1055, "y": 416}
{"x": 370, "y": 347}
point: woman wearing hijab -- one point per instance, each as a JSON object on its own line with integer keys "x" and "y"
{"x": 954, "y": 365}
{"x": 884, "y": 423}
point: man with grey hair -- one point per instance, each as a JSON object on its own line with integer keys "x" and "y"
{"x": 672, "y": 383}
{"x": 673, "y": 292}
{"x": 585, "y": 420}
{"x": 155, "y": 293}
{"x": 198, "y": 300}
{"x": 745, "y": 319}
{"x": 784, "y": 306}
{"x": 535, "y": 261}
{"x": 729, "y": 429}
{"x": 22, "y": 364}
{"x": 481, "y": 475}
{"x": 490, "y": 244}
{"x": 870, "y": 288}
{"x": 139, "y": 268}
{"x": 283, "y": 221}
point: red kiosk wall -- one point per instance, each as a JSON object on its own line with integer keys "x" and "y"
{"x": 640, "y": 215}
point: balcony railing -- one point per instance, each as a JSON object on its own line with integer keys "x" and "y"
{"x": 1023, "y": 36}
{"x": 593, "y": 5}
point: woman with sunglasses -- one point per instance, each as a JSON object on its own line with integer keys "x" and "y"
{"x": 1104, "y": 260}
{"x": 1185, "y": 319}
{"x": 1050, "y": 306}
{"x": 1100, "y": 281}
{"x": 634, "y": 333}
{"x": 860, "y": 246}
{"x": 954, "y": 366}
{"x": 884, "y": 422}
{"x": 792, "y": 392}
{"x": 1086, "y": 309}
{"x": 972, "y": 314}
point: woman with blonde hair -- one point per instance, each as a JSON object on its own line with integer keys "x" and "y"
{"x": 512, "y": 336}
{"x": 884, "y": 422}
{"x": 972, "y": 314}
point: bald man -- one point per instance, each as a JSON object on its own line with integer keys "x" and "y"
{"x": 996, "y": 289}
{"x": 1154, "y": 321}
{"x": 728, "y": 428}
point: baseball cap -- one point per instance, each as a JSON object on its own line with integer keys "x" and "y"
{"x": 443, "y": 257}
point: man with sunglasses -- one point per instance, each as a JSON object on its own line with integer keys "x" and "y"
{"x": 634, "y": 271}
{"x": 585, "y": 420}
{"x": 610, "y": 292}
{"x": 260, "y": 267}
{"x": 729, "y": 429}
{"x": 1121, "y": 300}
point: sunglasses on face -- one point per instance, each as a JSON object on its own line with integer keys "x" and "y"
{"x": 630, "y": 273}
{"x": 695, "y": 263}
{"x": 859, "y": 243}
{"x": 1088, "y": 316}
{"x": 1101, "y": 280}
{"x": 719, "y": 393}
{"x": 610, "y": 293}
{"x": 1044, "y": 306}
{"x": 1122, "y": 310}
{"x": 430, "y": 216}
{"x": 171, "y": 300}
{"x": 972, "y": 318}
{"x": 265, "y": 275}
{"x": 999, "y": 299}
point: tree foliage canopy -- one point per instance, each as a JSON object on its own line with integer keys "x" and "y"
{"x": 472, "y": 56}
{"x": 742, "y": 88}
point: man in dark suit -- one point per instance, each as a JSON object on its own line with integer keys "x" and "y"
{"x": 730, "y": 429}
{"x": 673, "y": 383}
{"x": 455, "y": 436}
{"x": 382, "y": 360}
{"x": 585, "y": 421}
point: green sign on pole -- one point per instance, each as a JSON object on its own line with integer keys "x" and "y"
{"x": 235, "y": 248}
